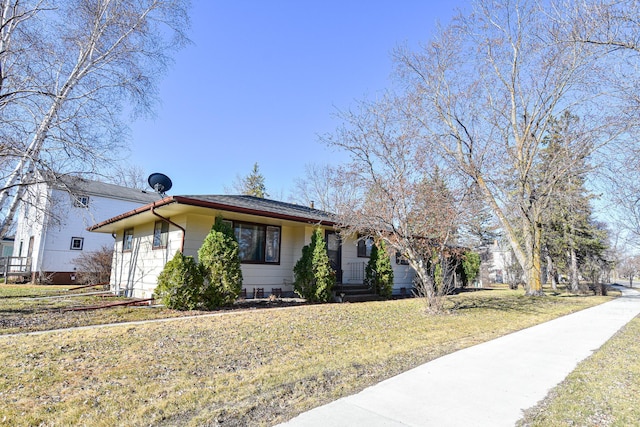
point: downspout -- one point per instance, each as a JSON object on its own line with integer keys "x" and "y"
{"x": 168, "y": 221}
{"x": 114, "y": 268}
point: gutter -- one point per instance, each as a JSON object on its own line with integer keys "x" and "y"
{"x": 250, "y": 211}
{"x": 168, "y": 221}
{"x": 211, "y": 205}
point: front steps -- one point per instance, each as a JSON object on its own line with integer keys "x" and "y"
{"x": 355, "y": 292}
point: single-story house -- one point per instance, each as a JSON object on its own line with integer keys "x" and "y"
{"x": 271, "y": 235}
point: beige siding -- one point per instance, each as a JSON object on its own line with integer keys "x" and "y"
{"x": 353, "y": 267}
{"x": 135, "y": 272}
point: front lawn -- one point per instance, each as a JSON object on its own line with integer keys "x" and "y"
{"x": 31, "y": 308}
{"x": 251, "y": 367}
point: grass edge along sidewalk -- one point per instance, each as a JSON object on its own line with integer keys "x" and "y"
{"x": 603, "y": 390}
{"x": 257, "y": 367}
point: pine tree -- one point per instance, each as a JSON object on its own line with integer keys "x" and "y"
{"x": 470, "y": 267}
{"x": 570, "y": 234}
{"x": 253, "y": 184}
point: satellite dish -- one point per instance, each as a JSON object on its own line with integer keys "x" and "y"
{"x": 160, "y": 183}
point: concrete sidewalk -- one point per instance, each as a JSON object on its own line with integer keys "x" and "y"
{"x": 489, "y": 384}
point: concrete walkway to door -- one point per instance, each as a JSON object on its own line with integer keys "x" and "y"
{"x": 489, "y": 384}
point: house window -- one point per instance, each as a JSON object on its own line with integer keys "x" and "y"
{"x": 259, "y": 244}
{"x": 160, "y": 234}
{"x": 81, "y": 201}
{"x": 364, "y": 247}
{"x": 127, "y": 240}
{"x": 76, "y": 243}
{"x": 401, "y": 260}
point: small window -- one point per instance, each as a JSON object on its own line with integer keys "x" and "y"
{"x": 401, "y": 260}
{"x": 127, "y": 240}
{"x": 76, "y": 243}
{"x": 160, "y": 234}
{"x": 364, "y": 247}
{"x": 81, "y": 201}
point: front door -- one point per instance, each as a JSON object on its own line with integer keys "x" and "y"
{"x": 334, "y": 250}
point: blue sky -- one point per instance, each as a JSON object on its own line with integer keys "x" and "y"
{"x": 263, "y": 79}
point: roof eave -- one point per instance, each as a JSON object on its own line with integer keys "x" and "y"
{"x": 211, "y": 205}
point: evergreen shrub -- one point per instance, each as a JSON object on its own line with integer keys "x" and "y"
{"x": 220, "y": 261}
{"x": 216, "y": 281}
{"x": 379, "y": 273}
{"x": 313, "y": 276}
{"x": 180, "y": 283}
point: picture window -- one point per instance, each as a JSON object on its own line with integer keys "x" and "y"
{"x": 258, "y": 243}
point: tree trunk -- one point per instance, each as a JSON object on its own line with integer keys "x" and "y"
{"x": 534, "y": 273}
{"x": 575, "y": 284}
{"x": 551, "y": 273}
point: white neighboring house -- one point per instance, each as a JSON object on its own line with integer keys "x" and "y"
{"x": 51, "y": 230}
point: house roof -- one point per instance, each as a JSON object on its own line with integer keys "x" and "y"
{"x": 250, "y": 205}
{"x": 81, "y": 186}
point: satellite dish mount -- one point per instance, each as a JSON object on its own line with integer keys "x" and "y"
{"x": 160, "y": 183}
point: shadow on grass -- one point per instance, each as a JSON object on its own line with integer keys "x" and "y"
{"x": 520, "y": 303}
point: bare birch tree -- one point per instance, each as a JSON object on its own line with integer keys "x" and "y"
{"x": 66, "y": 71}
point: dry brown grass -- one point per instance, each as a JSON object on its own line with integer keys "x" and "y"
{"x": 250, "y": 367}
{"x": 29, "y": 308}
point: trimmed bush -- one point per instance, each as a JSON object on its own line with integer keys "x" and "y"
{"x": 379, "y": 273}
{"x": 470, "y": 267}
{"x": 220, "y": 261}
{"x": 313, "y": 276}
{"x": 180, "y": 283}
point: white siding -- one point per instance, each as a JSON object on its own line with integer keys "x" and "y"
{"x": 135, "y": 272}
{"x": 58, "y": 255}
{"x": 30, "y": 223}
{"x": 353, "y": 267}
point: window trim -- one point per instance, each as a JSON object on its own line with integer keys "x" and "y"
{"x": 77, "y": 239}
{"x": 362, "y": 245}
{"x": 264, "y": 231}
{"x": 81, "y": 201}
{"x": 125, "y": 247}
{"x": 163, "y": 233}
{"x": 400, "y": 259}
